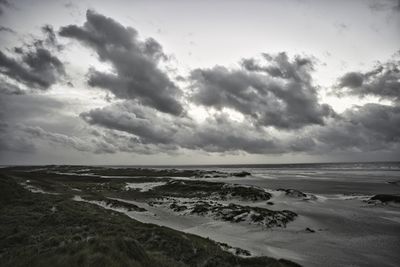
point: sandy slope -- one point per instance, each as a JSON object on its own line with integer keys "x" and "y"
{"x": 347, "y": 231}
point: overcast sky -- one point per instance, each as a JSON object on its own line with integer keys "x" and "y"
{"x": 199, "y": 82}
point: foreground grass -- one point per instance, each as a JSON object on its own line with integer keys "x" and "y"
{"x": 53, "y": 230}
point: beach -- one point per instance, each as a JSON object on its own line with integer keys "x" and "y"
{"x": 312, "y": 215}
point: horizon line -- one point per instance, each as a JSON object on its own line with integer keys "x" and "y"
{"x": 204, "y": 165}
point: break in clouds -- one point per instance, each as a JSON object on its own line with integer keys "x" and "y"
{"x": 266, "y": 104}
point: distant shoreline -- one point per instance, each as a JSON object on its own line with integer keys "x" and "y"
{"x": 255, "y": 165}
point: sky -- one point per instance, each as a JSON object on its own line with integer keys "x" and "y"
{"x": 199, "y": 82}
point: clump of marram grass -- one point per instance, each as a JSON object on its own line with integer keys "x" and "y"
{"x": 384, "y": 199}
{"x": 229, "y": 212}
{"x": 203, "y": 189}
{"x": 114, "y": 203}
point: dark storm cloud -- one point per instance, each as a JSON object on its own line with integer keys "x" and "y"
{"x": 30, "y": 118}
{"x": 36, "y": 69}
{"x": 3, "y": 3}
{"x": 24, "y": 108}
{"x": 11, "y": 140}
{"x": 57, "y": 138}
{"x": 9, "y": 89}
{"x": 352, "y": 80}
{"x": 385, "y": 5}
{"x": 275, "y": 94}
{"x": 6, "y": 29}
{"x": 129, "y": 118}
{"x": 216, "y": 134}
{"x": 278, "y": 94}
{"x": 49, "y": 31}
{"x": 283, "y": 88}
{"x": 103, "y": 142}
{"x": 382, "y": 121}
{"x": 112, "y": 141}
{"x": 25, "y": 138}
{"x": 365, "y": 128}
{"x": 280, "y": 66}
{"x": 220, "y": 134}
{"x": 134, "y": 61}
{"x": 25, "y": 115}
{"x": 34, "y": 65}
{"x": 141, "y": 121}
{"x": 382, "y": 81}
{"x": 51, "y": 38}
{"x": 372, "y": 127}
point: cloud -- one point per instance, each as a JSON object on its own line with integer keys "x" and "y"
{"x": 25, "y": 115}
{"x": 6, "y": 29}
{"x": 36, "y": 109}
{"x": 133, "y": 128}
{"x": 11, "y": 140}
{"x": 365, "y": 128}
{"x": 382, "y": 81}
{"x": 10, "y": 89}
{"x": 279, "y": 94}
{"x": 34, "y": 65}
{"x": 34, "y": 122}
{"x": 141, "y": 121}
{"x": 57, "y": 138}
{"x": 135, "y": 62}
{"x": 393, "y": 5}
{"x": 221, "y": 134}
{"x": 51, "y": 38}
{"x": 3, "y": 3}
{"x": 26, "y": 138}
{"x": 275, "y": 93}
{"x": 217, "y": 134}
{"x": 381, "y": 121}
{"x": 352, "y": 80}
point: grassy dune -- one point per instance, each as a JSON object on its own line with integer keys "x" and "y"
{"x": 53, "y": 230}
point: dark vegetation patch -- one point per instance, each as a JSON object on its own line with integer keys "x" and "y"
{"x": 235, "y": 250}
{"x": 296, "y": 194}
{"x": 203, "y": 189}
{"x": 53, "y": 230}
{"x": 385, "y": 198}
{"x": 93, "y": 171}
{"x": 309, "y": 230}
{"x": 114, "y": 203}
{"x": 230, "y": 212}
{"x": 155, "y": 172}
{"x": 394, "y": 183}
{"x": 254, "y": 215}
{"x": 292, "y": 193}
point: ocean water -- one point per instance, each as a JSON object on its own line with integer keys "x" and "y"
{"x": 329, "y": 178}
